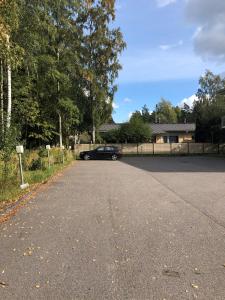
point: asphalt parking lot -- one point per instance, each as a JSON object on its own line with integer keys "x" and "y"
{"x": 140, "y": 228}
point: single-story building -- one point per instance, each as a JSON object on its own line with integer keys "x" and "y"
{"x": 164, "y": 133}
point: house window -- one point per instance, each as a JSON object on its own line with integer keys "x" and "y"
{"x": 170, "y": 139}
{"x": 173, "y": 139}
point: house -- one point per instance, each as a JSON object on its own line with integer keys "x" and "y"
{"x": 173, "y": 133}
{"x": 164, "y": 133}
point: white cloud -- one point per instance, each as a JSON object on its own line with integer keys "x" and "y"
{"x": 127, "y": 100}
{"x": 171, "y": 46}
{"x": 209, "y": 37}
{"x": 189, "y": 101}
{"x": 130, "y": 115}
{"x": 115, "y": 106}
{"x": 163, "y": 3}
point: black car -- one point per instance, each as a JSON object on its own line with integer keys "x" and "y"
{"x": 103, "y": 152}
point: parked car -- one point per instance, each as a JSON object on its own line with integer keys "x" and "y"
{"x": 102, "y": 152}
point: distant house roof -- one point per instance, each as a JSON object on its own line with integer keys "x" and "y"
{"x": 163, "y": 128}
{"x": 156, "y": 128}
{"x": 108, "y": 127}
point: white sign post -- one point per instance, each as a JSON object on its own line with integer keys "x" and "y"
{"x": 20, "y": 151}
{"x": 62, "y": 149}
{"x": 48, "y": 147}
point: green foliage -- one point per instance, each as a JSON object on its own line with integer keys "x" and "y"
{"x": 138, "y": 131}
{"x": 35, "y": 172}
{"x": 36, "y": 164}
{"x": 165, "y": 112}
{"x": 111, "y": 136}
{"x": 209, "y": 109}
{"x": 57, "y": 49}
{"x": 7, "y": 147}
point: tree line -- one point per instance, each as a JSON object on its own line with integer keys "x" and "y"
{"x": 207, "y": 112}
{"x": 58, "y": 63}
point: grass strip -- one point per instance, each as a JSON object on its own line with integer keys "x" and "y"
{"x": 10, "y": 189}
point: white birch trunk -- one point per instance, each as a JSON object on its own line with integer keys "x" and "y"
{"x": 60, "y": 131}
{"x": 9, "y": 90}
{"x": 93, "y": 135}
{"x": 2, "y": 97}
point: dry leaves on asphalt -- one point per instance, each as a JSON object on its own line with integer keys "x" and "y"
{"x": 171, "y": 273}
{"x": 3, "y": 284}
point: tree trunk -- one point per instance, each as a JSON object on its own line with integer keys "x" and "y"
{"x": 93, "y": 134}
{"x": 9, "y": 107}
{"x": 60, "y": 131}
{"x": 60, "y": 117}
{"x": 9, "y": 90}
{"x": 2, "y": 97}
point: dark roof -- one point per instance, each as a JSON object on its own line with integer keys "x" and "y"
{"x": 163, "y": 128}
{"x": 108, "y": 127}
{"x": 156, "y": 128}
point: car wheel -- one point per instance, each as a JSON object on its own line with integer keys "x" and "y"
{"x": 114, "y": 157}
{"x": 86, "y": 157}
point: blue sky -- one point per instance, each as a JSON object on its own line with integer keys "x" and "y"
{"x": 165, "y": 55}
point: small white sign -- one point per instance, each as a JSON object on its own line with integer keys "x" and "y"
{"x": 48, "y": 147}
{"x": 19, "y": 149}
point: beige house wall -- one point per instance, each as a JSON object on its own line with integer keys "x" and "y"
{"x": 159, "y": 139}
{"x": 182, "y": 137}
{"x": 185, "y": 137}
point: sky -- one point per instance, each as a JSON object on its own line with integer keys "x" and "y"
{"x": 170, "y": 44}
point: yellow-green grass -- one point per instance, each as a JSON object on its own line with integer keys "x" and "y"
{"x": 10, "y": 188}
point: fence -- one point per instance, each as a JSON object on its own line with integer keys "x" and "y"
{"x": 170, "y": 149}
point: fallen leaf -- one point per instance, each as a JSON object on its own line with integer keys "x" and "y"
{"x": 197, "y": 272}
{"x": 3, "y": 284}
{"x": 194, "y": 286}
{"x": 171, "y": 273}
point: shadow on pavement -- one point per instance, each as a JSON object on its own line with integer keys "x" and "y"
{"x": 177, "y": 164}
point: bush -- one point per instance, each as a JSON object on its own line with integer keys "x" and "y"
{"x": 36, "y": 164}
{"x": 111, "y": 136}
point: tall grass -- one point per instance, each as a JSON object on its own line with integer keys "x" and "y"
{"x": 36, "y": 170}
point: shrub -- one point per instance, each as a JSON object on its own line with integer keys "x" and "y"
{"x": 36, "y": 164}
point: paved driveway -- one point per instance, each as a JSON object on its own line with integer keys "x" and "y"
{"x": 140, "y": 228}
